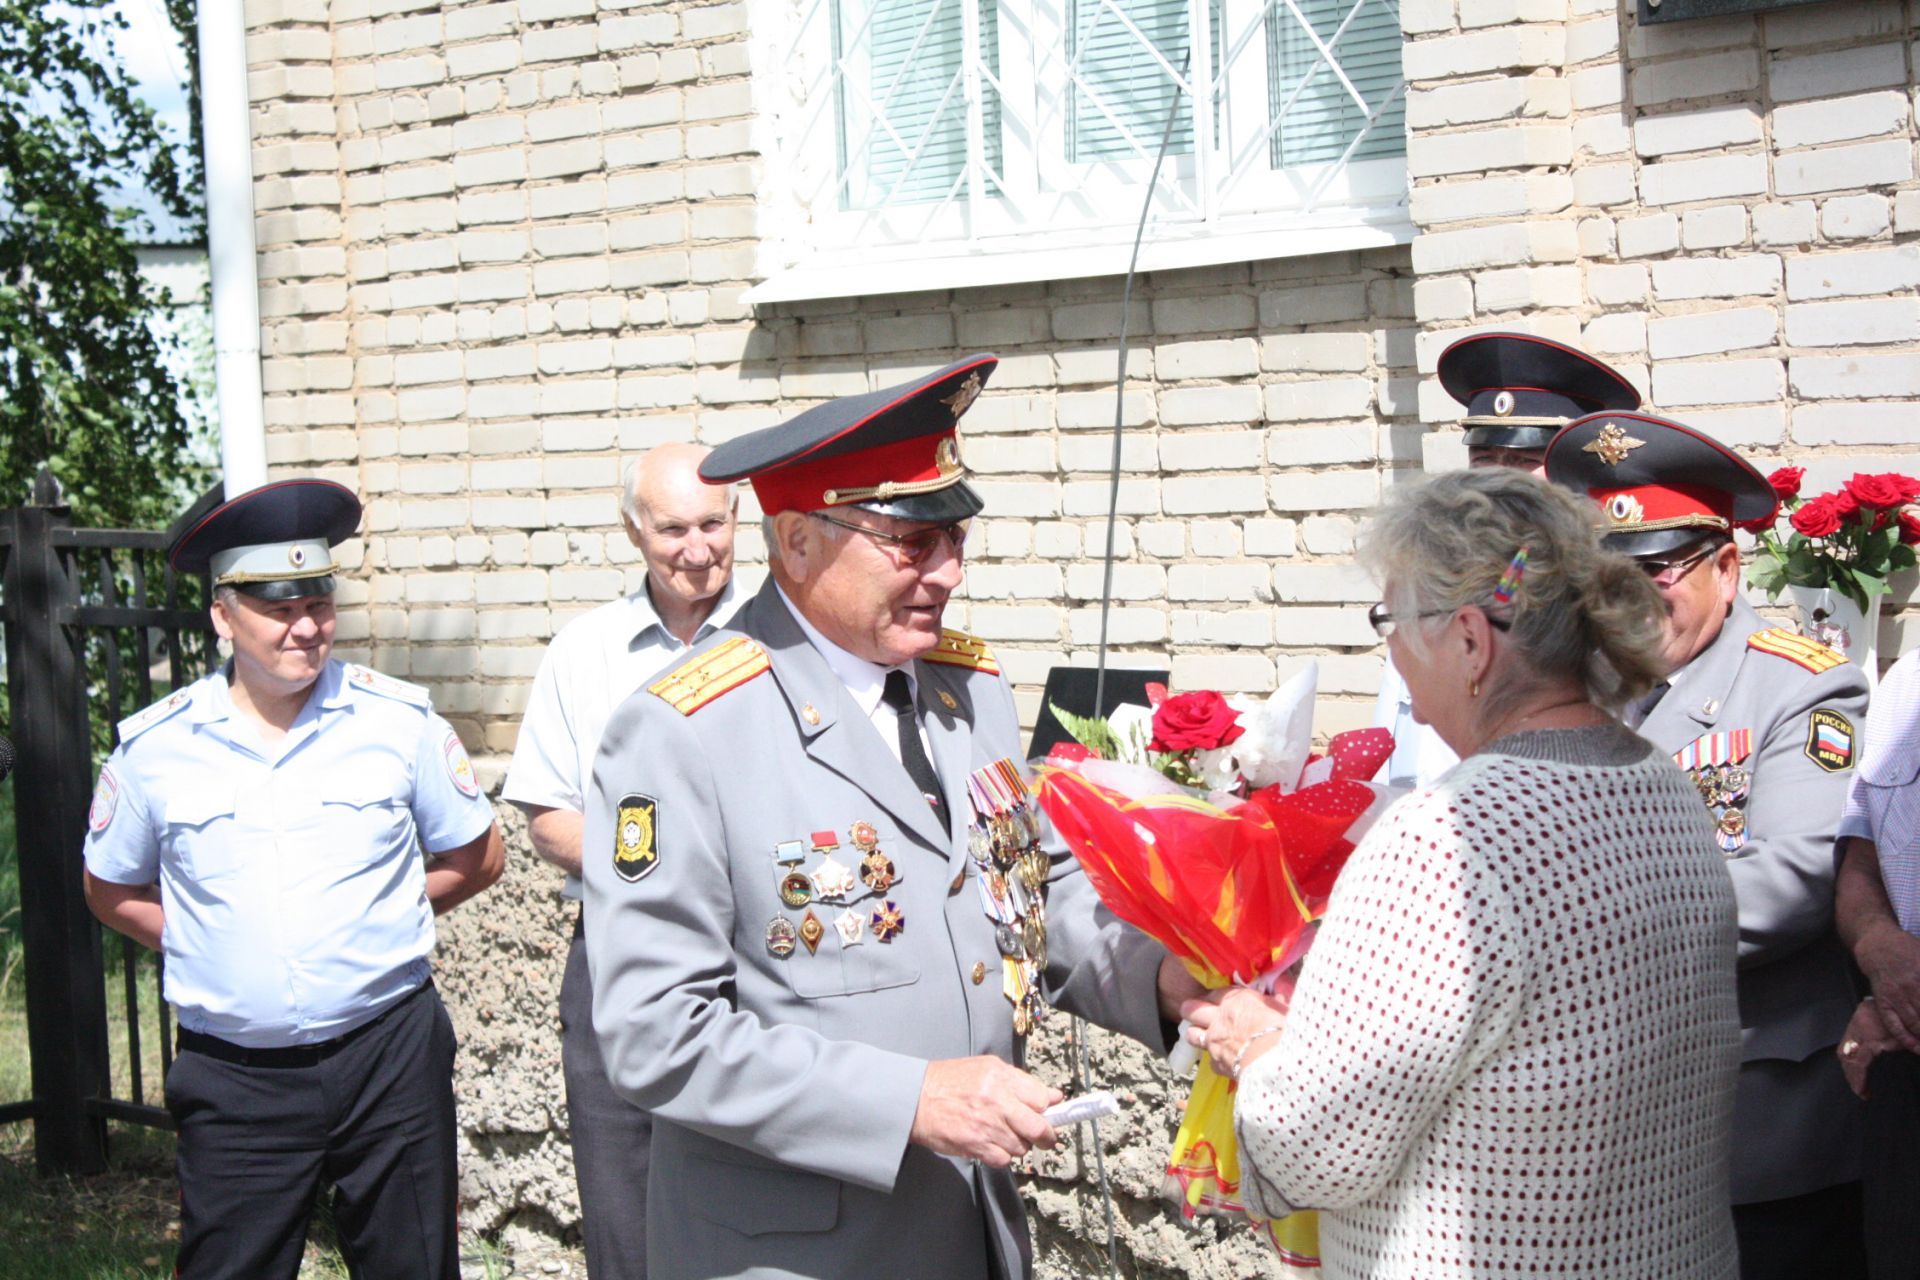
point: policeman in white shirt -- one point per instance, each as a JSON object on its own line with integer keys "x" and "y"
{"x": 1519, "y": 391}
{"x": 684, "y": 530}
{"x": 263, "y": 828}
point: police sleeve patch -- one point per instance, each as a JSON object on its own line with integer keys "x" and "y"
{"x": 634, "y": 852}
{"x": 106, "y": 800}
{"x": 1830, "y": 740}
{"x": 459, "y": 767}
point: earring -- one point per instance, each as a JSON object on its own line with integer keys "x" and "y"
{"x": 1473, "y": 688}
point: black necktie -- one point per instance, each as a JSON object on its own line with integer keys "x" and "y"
{"x": 912, "y": 753}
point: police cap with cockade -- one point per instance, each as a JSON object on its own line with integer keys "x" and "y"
{"x": 895, "y": 452}
{"x": 1519, "y": 390}
{"x": 274, "y": 542}
{"x": 1660, "y": 486}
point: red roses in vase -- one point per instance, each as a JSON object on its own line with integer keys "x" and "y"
{"x": 1848, "y": 541}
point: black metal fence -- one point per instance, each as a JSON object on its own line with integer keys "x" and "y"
{"x": 96, "y": 627}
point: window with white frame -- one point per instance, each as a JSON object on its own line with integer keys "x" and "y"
{"x": 937, "y": 143}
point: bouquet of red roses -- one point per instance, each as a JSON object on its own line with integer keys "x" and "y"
{"x": 1230, "y": 880}
{"x": 1848, "y": 541}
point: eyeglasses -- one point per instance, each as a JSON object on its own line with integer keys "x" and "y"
{"x": 1384, "y": 622}
{"x": 1668, "y": 573}
{"x": 909, "y": 550}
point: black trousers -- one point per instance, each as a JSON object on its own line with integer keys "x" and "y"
{"x": 1891, "y": 1167}
{"x": 261, "y": 1131}
{"x": 612, "y": 1138}
{"x": 1803, "y": 1237}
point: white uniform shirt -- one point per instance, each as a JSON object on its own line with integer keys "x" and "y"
{"x": 865, "y": 681}
{"x": 290, "y": 876}
{"x": 1884, "y": 803}
{"x": 1419, "y": 755}
{"x": 596, "y": 662}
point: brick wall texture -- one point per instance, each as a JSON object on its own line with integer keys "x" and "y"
{"x": 503, "y": 248}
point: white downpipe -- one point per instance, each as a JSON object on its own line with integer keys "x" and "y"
{"x": 231, "y": 254}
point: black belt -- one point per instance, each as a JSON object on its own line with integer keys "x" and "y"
{"x": 293, "y": 1055}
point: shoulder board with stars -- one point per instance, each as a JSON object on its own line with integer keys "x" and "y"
{"x": 359, "y": 677}
{"x": 141, "y": 721}
{"x": 1796, "y": 648}
{"x": 724, "y": 667}
{"x": 958, "y": 649}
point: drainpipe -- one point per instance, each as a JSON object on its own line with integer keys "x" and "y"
{"x": 231, "y": 254}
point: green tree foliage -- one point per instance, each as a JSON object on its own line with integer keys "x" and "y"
{"x": 85, "y": 385}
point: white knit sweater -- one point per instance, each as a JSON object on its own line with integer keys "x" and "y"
{"x": 1513, "y": 1047}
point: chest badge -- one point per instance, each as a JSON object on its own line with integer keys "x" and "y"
{"x": 634, "y": 852}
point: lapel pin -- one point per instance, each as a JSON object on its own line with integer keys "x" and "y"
{"x": 808, "y": 714}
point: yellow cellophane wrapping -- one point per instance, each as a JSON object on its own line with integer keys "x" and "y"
{"x": 1203, "y": 1171}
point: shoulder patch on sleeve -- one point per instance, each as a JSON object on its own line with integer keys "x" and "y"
{"x": 141, "y": 721}
{"x": 359, "y": 677}
{"x": 958, "y": 649}
{"x": 635, "y": 852}
{"x": 724, "y": 667}
{"x": 1796, "y": 648}
{"x": 1830, "y": 740}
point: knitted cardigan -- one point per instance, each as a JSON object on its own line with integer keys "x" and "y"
{"x": 1513, "y": 1047}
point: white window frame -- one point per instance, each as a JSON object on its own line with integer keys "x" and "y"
{"x": 1043, "y": 218}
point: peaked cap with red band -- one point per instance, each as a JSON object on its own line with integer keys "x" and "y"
{"x": 895, "y": 452}
{"x": 1519, "y": 390}
{"x": 1660, "y": 486}
{"x": 272, "y": 542}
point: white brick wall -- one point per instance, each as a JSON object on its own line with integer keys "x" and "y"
{"x": 503, "y": 248}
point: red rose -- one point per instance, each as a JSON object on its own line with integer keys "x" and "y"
{"x": 1873, "y": 491}
{"x": 1885, "y": 490}
{"x": 1845, "y": 505}
{"x": 1910, "y": 528}
{"x": 1759, "y": 524}
{"x": 1194, "y": 722}
{"x": 1817, "y": 518}
{"x": 1786, "y": 482}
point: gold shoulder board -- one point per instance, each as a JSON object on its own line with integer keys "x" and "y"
{"x": 1796, "y": 648}
{"x": 958, "y": 649}
{"x": 725, "y": 666}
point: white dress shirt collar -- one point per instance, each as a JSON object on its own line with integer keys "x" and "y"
{"x": 864, "y": 680}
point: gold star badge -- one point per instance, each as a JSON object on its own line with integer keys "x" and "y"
{"x": 962, "y": 400}
{"x": 1612, "y": 445}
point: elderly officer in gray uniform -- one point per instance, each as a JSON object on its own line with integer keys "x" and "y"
{"x": 1767, "y": 723}
{"x": 820, "y": 917}
{"x": 1519, "y": 391}
{"x": 263, "y": 829}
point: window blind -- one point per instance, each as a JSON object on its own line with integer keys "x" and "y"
{"x": 1323, "y": 117}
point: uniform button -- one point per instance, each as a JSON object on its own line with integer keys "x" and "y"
{"x": 979, "y": 972}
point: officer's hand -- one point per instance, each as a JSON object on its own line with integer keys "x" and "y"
{"x": 1866, "y": 1039}
{"x": 1175, "y": 987}
{"x": 1891, "y": 958}
{"x": 982, "y": 1109}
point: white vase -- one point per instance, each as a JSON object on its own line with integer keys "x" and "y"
{"x": 1840, "y": 624}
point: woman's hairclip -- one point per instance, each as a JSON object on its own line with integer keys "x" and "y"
{"x": 1503, "y": 591}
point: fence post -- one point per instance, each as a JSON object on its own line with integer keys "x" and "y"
{"x": 65, "y": 989}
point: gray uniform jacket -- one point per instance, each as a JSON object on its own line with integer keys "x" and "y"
{"x": 784, "y": 1089}
{"x": 1795, "y": 1122}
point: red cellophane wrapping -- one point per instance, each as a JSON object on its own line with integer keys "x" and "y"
{"x": 1228, "y": 888}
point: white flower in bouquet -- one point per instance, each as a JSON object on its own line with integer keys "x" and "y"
{"x": 1277, "y": 741}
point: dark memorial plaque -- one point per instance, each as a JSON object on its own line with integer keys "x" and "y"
{"x": 1651, "y": 11}
{"x": 1072, "y": 689}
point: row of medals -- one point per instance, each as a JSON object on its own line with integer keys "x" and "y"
{"x": 1724, "y": 788}
{"x": 1004, "y": 842}
{"x": 833, "y": 882}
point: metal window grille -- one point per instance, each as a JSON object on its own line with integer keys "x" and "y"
{"x": 962, "y": 119}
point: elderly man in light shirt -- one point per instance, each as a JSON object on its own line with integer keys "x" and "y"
{"x": 684, "y": 530}
{"x": 1877, "y": 910}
